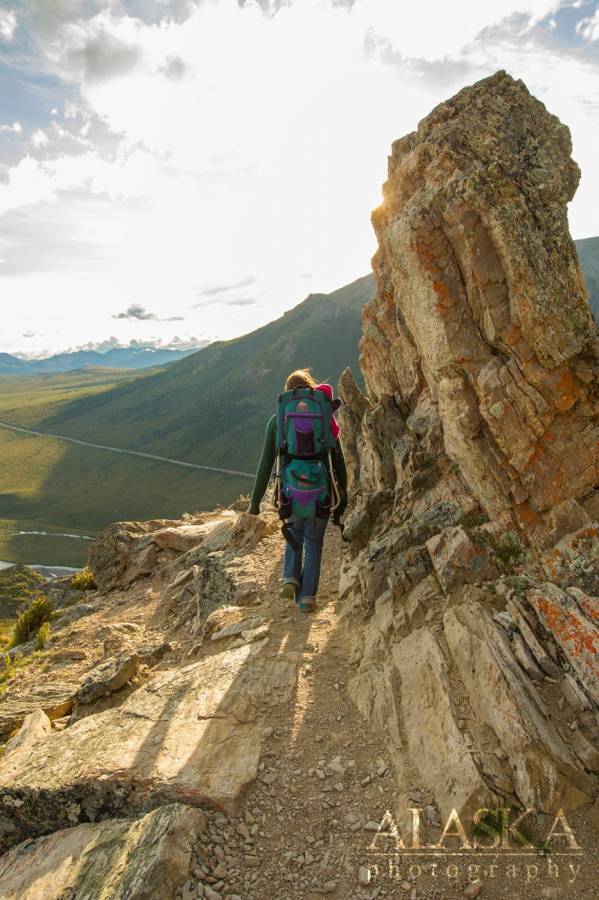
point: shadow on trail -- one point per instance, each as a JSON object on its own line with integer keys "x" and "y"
{"x": 255, "y": 683}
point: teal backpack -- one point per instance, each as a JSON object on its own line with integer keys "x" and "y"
{"x": 305, "y": 482}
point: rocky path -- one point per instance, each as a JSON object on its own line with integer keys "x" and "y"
{"x": 300, "y": 831}
{"x": 305, "y": 827}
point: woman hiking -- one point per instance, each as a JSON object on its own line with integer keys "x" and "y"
{"x": 304, "y": 533}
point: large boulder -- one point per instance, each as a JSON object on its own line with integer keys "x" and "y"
{"x": 191, "y": 734}
{"x": 140, "y": 859}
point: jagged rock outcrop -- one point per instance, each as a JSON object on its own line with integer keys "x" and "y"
{"x": 191, "y": 732}
{"x": 55, "y": 699}
{"x": 474, "y": 461}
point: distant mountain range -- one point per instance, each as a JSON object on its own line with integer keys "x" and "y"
{"x": 118, "y": 358}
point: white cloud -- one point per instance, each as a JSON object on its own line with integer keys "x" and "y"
{"x": 8, "y": 24}
{"x": 39, "y": 138}
{"x": 589, "y": 28}
{"x": 230, "y": 147}
{"x": 440, "y": 29}
{"x": 15, "y": 128}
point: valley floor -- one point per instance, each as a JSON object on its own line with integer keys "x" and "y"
{"x": 137, "y": 453}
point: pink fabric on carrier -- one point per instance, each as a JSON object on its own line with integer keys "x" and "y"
{"x": 328, "y": 390}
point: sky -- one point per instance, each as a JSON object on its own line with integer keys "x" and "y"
{"x": 179, "y": 171}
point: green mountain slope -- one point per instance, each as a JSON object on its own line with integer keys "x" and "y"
{"x": 588, "y": 251}
{"x": 213, "y": 405}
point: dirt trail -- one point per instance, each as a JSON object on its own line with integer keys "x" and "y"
{"x": 305, "y": 827}
{"x": 299, "y": 832}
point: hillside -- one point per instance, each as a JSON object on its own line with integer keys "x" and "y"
{"x": 212, "y": 406}
{"x": 588, "y": 251}
{"x": 52, "y": 487}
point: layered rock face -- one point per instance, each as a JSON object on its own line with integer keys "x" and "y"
{"x": 474, "y": 462}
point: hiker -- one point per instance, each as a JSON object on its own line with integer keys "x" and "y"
{"x": 311, "y": 479}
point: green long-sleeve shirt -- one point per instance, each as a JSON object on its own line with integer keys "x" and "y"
{"x": 269, "y": 453}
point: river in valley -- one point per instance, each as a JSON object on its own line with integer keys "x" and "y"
{"x": 49, "y": 571}
{"x": 46, "y": 569}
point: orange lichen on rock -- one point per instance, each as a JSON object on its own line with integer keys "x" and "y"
{"x": 567, "y": 391}
{"x": 576, "y": 636}
{"x": 526, "y": 516}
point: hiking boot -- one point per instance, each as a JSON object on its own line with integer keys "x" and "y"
{"x": 307, "y": 604}
{"x": 288, "y": 590}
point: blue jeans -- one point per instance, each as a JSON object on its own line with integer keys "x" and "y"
{"x": 309, "y": 534}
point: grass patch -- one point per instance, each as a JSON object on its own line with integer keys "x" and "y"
{"x": 28, "y": 623}
{"x": 17, "y": 585}
{"x": 517, "y": 583}
{"x": 83, "y": 581}
{"x": 473, "y": 520}
{"x": 43, "y": 635}
{"x": 507, "y": 550}
{"x": 6, "y": 627}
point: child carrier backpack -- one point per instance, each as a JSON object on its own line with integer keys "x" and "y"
{"x": 305, "y": 483}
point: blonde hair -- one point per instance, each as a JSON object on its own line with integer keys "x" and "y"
{"x": 300, "y": 378}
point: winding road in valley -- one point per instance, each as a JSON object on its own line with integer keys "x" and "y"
{"x": 162, "y": 459}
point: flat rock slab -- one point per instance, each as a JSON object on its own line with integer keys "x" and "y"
{"x": 36, "y": 727}
{"x": 192, "y": 734}
{"x": 434, "y": 741}
{"x": 236, "y": 628}
{"x": 116, "y": 859}
{"x": 55, "y": 699}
